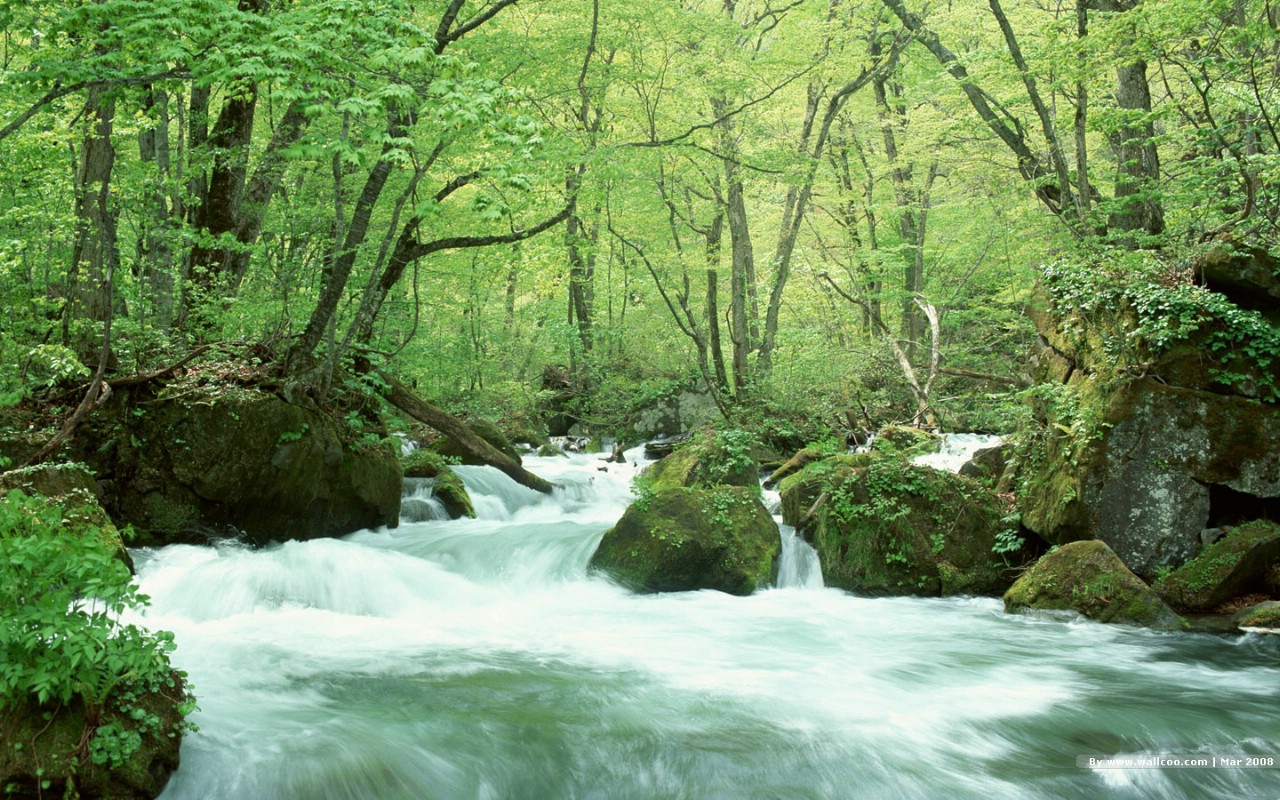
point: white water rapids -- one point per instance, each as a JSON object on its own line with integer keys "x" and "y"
{"x": 480, "y": 659}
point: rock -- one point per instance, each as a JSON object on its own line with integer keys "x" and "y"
{"x": 1235, "y": 565}
{"x": 241, "y": 459}
{"x": 708, "y": 458}
{"x": 53, "y": 747}
{"x": 1264, "y": 616}
{"x": 551, "y": 451}
{"x": 1160, "y": 464}
{"x": 73, "y": 490}
{"x": 679, "y": 540}
{"x": 905, "y": 440}
{"x": 136, "y": 728}
{"x": 987, "y": 464}
{"x": 1247, "y": 274}
{"x": 1089, "y": 578}
{"x": 882, "y": 525}
{"x": 674, "y": 413}
{"x": 446, "y": 486}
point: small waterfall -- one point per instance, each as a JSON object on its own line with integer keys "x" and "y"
{"x": 798, "y": 564}
{"x": 494, "y": 495}
{"x": 418, "y": 501}
{"x": 956, "y": 449}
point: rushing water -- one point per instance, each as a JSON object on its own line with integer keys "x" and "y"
{"x": 480, "y": 659}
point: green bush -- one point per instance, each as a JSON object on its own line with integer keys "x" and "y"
{"x": 61, "y": 639}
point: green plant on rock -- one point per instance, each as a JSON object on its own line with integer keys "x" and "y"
{"x": 1159, "y": 308}
{"x": 62, "y": 641}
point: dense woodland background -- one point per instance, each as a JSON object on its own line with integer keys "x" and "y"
{"x": 832, "y": 213}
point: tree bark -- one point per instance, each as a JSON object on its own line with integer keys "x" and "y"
{"x": 400, "y": 397}
{"x": 94, "y": 255}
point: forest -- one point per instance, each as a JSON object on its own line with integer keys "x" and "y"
{"x": 264, "y": 262}
{"x": 806, "y": 208}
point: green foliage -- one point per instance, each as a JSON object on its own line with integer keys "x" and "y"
{"x": 1159, "y": 308}
{"x": 61, "y": 638}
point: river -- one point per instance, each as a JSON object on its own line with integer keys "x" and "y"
{"x": 481, "y": 659}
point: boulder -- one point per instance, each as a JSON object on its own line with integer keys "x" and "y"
{"x": 54, "y": 749}
{"x": 1249, "y": 275}
{"x": 1157, "y": 466}
{"x": 446, "y": 486}
{"x": 1087, "y": 577}
{"x": 904, "y": 439}
{"x": 1263, "y": 616}
{"x": 177, "y": 466}
{"x": 1235, "y": 565}
{"x": 676, "y": 540}
{"x": 72, "y": 490}
{"x": 988, "y": 464}
{"x": 882, "y": 525}
{"x": 113, "y": 719}
{"x": 709, "y": 458}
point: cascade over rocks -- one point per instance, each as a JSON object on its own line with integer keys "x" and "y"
{"x": 447, "y": 487}
{"x": 882, "y": 525}
{"x": 176, "y": 463}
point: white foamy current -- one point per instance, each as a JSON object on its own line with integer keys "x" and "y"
{"x": 482, "y": 659}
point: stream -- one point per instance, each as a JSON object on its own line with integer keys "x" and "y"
{"x": 481, "y": 659}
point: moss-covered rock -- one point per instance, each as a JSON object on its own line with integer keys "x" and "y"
{"x": 1235, "y": 565}
{"x": 175, "y": 466}
{"x": 988, "y": 464}
{"x": 1089, "y": 578}
{"x": 1158, "y": 416}
{"x": 882, "y": 525}
{"x": 446, "y": 486}
{"x": 1262, "y": 616}
{"x": 685, "y": 539}
{"x": 71, "y": 489}
{"x": 904, "y": 440}
{"x": 42, "y": 744}
{"x": 709, "y": 458}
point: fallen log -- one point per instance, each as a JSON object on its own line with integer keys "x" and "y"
{"x": 444, "y": 422}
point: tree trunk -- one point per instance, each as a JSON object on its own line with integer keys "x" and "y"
{"x": 154, "y": 263}
{"x": 400, "y": 397}
{"x": 94, "y": 253}
{"x": 1137, "y": 161}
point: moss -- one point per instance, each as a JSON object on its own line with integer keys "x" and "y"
{"x": 710, "y": 458}
{"x": 40, "y": 744}
{"x": 904, "y": 440}
{"x": 886, "y": 526}
{"x": 72, "y": 489}
{"x": 452, "y": 493}
{"x": 1088, "y": 578}
{"x": 1234, "y": 565}
{"x": 1263, "y": 615}
{"x": 250, "y": 460}
{"x": 423, "y": 462}
{"x": 683, "y": 539}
